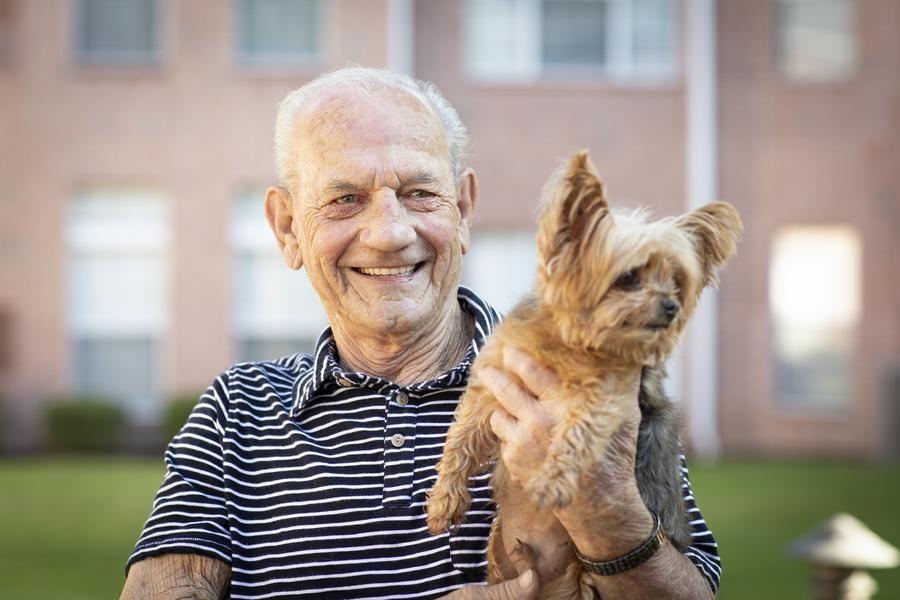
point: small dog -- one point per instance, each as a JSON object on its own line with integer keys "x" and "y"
{"x": 613, "y": 295}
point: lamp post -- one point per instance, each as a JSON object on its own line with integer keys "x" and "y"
{"x": 840, "y": 551}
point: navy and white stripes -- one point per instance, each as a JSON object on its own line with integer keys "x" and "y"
{"x": 310, "y": 481}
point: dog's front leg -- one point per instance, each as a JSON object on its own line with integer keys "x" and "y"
{"x": 580, "y": 441}
{"x": 470, "y": 444}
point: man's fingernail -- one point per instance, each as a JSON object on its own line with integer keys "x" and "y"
{"x": 526, "y": 578}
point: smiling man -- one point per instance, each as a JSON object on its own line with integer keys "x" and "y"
{"x": 380, "y": 224}
{"x": 307, "y": 476}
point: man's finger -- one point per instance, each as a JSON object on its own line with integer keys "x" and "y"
{"x": 517, "y": 401}
{"x": 503, "y": 425}
{"x": 536, "y": 377}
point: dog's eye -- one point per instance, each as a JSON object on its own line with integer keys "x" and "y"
{"x": 627, "y": 280}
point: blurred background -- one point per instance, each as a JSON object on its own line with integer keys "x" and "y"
{"x": 136, "y": 263}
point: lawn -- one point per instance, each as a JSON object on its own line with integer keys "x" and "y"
{"x": 67, "y": 525}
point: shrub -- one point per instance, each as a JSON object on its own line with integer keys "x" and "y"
{"x": 176, "y": 413}
{"x": 84, "y": 423}
{"x": 3, "y": 424}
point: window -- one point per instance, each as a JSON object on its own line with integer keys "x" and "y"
{"x": 276, "y": 312}
{"x": 117, "y": 32}
{"x": 814, "y": 299}
{"x": 117, "y": 296}
{"x": 816, "y": 39}
{"x": 626, "y": 40}
{"x": 501, "y": 266}
{"x": 279, "y": 32}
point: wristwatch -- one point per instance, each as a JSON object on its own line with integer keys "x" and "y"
{"x": 636, "y": 557}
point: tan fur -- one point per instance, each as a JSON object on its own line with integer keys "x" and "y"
{"x": 596, "y": 335}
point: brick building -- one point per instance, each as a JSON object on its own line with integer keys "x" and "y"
{"x": 136, "y": 263}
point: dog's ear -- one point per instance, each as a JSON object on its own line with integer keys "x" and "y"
{"x": 573, "y": 204}
{"x": 715, "y": 230}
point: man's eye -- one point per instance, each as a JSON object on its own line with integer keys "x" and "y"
{"x": 421, "y": 194}
{"x": 346, "y": 199}
{"x": 626, "y": 280}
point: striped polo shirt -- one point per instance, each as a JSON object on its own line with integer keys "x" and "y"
{"x": 310, "y": 481}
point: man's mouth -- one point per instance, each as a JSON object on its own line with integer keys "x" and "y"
{"x": 389, "y": 271}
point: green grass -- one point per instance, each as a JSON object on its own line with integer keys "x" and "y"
{"x": 68, "y": 524}
{"x": 756, "y": 509}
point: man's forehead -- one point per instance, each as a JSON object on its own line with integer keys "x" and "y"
{"x": 369, "y": 115}
{"x": 347, "y": 184}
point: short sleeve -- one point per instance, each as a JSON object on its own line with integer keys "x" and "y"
{"x": 189, "y": 514}
{"x": 703, "y": 551}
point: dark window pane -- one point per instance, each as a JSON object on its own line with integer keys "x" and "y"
{"x": 280, "y": 30}
{"x": 573, "y": 32}
{"x": 818, "y": 377}
{"x": 653, "y": 42}
{"x": 117, "y": 30}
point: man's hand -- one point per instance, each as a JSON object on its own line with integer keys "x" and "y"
{"x": 533, "y": 403}
{"x": 607, "y": 519}
{"x": 524, "y": 588}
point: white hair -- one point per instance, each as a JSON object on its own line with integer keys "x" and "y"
{"x": 366, "y": 79}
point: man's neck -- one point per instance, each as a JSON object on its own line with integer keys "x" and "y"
{"x": 407, "y": 357}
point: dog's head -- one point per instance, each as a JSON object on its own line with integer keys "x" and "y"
{"x": 619, "y": 283}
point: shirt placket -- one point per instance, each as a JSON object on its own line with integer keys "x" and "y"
{"x": 399, "y": 449}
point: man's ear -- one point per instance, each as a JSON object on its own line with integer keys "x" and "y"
{"x": 281, "y": 220}
{"x": 467, "y": 198}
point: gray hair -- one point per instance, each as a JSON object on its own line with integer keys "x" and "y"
{"x": 366, "y": 79}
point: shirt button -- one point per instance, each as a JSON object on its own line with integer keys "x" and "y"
{"x": 344, "y": 382}
{"x": 397, "y": 440}
{"x": 402, "y": 399}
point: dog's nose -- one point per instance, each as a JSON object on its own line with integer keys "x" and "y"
{"x": 670, "y": 308}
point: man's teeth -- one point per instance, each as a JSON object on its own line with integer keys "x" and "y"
{"x": 391, "y": 271}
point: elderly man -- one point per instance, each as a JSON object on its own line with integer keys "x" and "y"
{"x": 306, "y": 476}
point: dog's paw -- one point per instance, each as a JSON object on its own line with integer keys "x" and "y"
{"x": 437, "y": 525}
{"x": 523, "y": 556}
{"x": 444, "y": 511}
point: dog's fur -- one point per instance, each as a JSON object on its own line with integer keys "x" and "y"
{"x": 614, "y": 293}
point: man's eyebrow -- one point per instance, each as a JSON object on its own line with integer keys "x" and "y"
{"x": 421, "y": 177}
{"x": 339, "y": 185}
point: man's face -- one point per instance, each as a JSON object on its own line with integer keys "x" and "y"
{"x": 378, "y": 213}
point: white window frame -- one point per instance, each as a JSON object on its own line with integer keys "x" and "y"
{"x": 249, "y": 234}
{"x": 528, "y": 67}
{"x": 100, "y": 234}
{"x": 845, "y": 303}
{"x": 501, "y": 278}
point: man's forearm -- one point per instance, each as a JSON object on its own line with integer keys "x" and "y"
{"x": 606, "y": 535}
{"x": 177, "y": 577}
{"x": 668, "y": 574}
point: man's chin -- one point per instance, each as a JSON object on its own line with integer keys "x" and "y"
{"x": 394, "y": 316}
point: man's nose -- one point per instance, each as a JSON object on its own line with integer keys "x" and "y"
{"x": 388, "y": 227}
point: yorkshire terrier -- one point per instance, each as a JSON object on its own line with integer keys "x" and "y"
{"x": 613, "y": 294}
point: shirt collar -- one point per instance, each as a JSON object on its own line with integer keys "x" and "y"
{"x": 326, "y": 366}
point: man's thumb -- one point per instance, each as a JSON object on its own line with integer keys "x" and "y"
{"x": 524, "y": 587}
